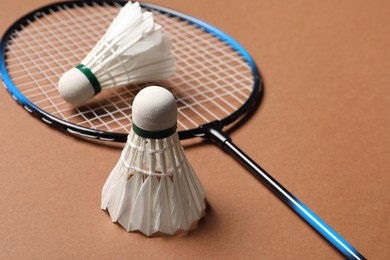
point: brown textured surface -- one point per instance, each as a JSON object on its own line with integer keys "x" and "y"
{"x": 322, "y": 131}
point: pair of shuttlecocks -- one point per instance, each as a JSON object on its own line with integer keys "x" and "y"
{"x": 153, "y": 188}
{"x": 133, "y": 50}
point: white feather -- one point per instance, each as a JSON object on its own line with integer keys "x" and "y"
{"x": 133, "y": 50}
{"x": 148, "y": 200}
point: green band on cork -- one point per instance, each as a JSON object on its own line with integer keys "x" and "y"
{"x": 154, "y": 134}
{"x": 91, "y": 77}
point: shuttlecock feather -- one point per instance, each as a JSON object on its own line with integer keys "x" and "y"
{"x": 133, "y": 50}
{"x": 153, "y": 187}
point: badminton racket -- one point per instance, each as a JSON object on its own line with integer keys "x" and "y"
{"x": 216, "y": 84}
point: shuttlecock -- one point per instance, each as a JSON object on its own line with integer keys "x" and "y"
{"x": 153, "y": 187}
{"x": 133, "y": 50}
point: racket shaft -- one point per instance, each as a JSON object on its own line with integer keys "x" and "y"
{"x": 312, "y": 219}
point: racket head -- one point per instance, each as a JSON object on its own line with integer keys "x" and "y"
{"x": 216, "y": 81}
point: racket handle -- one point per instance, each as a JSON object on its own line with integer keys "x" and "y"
{"x": 304, "y": 212}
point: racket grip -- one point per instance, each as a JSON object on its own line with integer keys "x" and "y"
{"x": 296, "y": 205}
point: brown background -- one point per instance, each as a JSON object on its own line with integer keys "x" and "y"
{"x": 322, "y": 131}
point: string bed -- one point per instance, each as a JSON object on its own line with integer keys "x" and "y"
{"x": 212, "y": 79}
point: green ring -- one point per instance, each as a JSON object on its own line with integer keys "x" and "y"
{"x": 154, "y": 134}
{"x": 91, "y": 77}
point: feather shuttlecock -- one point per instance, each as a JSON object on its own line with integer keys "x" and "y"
{"x": 133, "y": 50}
{"x": 153, "y": 187}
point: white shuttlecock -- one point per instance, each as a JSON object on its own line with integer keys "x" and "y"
{"x": 133, "y": 50}
{"x": 153, "y": 187}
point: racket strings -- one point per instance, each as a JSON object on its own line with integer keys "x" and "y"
{"x": 205, "y": 51}
{"x": 212, "y": 80}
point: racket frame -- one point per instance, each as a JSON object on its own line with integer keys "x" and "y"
{"x": 82, "y": 131}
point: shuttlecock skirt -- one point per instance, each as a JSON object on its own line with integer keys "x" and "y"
{"x": 153, "y": 187}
